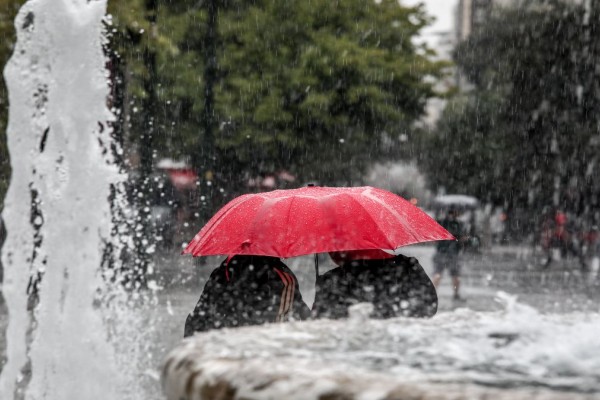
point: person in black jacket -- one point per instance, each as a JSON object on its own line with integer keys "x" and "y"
{"x": 446, "y": 255}
{"x": 395, "y": 285}
{"x": 247, "y": 290}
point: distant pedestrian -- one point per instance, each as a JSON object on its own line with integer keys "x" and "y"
{"x": 2, "y": 239}
{"x": 446, "y": 256}
{"x": 247, "y": 290}
{"x": 559, "y": 232}
{"x": 395, "y": 285}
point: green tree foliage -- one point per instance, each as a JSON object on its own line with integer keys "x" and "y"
{"x": 319, "y": 88}
{"x": 8, "y": 11}
{"x": 309, "y": 87}
{"x": 314, "y": 86}
{"x": 465, "y": 152}
{"x": 174, "y": 80}
{"x": 526, "y": 136}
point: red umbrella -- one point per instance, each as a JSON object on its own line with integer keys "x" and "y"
{"x": 294, "y": 222}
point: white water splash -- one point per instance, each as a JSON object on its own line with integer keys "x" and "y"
{"x": 57, "y": 211}
{"x": 513, "y": 350}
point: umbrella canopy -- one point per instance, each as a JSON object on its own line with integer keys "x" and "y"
{"x": 294, "y": 222}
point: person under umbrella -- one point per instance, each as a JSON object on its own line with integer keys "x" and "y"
{"x": 314, "y": 219}
{"x": 395, "y": 285}
{"x": 310, "y": 220}
{"x": 247, "y": 290}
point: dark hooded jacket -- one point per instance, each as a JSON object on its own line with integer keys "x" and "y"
{"x": 395, "y": 286}
{"x": 450, "y": 247}
{"x": 247, "y": 290}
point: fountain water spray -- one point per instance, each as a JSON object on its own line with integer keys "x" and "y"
{"x": 56, "y": 211}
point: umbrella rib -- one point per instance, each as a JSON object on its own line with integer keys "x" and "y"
{"x": 374, "y": 222}
{"x": 258, "y": 220}
{"x": 392, "y": 211}
{"x": 214, "y": 225}
{"x": 398, "y": 217}
{"x": 287, "y": 222}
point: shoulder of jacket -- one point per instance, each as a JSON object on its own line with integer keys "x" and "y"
{"x": 406, "y": 260}
{"x": 281, "y": 266}
{"x": 402, "y": 257}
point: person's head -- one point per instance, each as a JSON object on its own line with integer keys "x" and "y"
{"x": 452, "y": 213}
{"x": 340, "y": 257}
{"x": 560, "y": 218}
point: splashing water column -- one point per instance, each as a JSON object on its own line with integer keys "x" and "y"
{"x": 56, "y": 210}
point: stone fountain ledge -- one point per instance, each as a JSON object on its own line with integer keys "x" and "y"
{"x": 452, "y": 356}
{"x": 229, "y": 379}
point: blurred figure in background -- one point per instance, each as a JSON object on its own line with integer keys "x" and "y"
{"x": 560, "y": 232}
{"x": 446, "y": 256}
